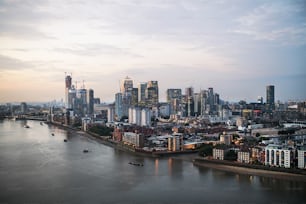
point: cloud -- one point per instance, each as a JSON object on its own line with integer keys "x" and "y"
{"x": 280, "y": 22}
{"x": 96, "y": 49}
{"x": 9, "y": 64}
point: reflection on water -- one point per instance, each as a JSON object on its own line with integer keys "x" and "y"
{"x": 37, "y": 167}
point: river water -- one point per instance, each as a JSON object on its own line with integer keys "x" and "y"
{"x": 36, "y": 167}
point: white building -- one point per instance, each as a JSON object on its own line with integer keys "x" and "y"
{"x": 145, "y": 117}
{"x": 277, "y": 155}
{"x": 301, "y": 154}
{"x": 218, "y": 154}
{"x": 110, "y": 114}
{"x": 135, "y": 116}
{"x": 243, "y": 157}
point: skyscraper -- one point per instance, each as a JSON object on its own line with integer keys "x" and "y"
{"x": 270, "y": 97}
{"x": 173, "y": 94}
{"x": 126, "y": 85}
{"x": 67, "y": 88}
{"x": 142, "y": 92}
{"x": 118, "y": 106}
{"x": 152, "y": 93}
{"x": 90, "y": 101}
{"x": 126, "y": 91}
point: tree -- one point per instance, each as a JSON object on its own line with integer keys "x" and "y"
{"x": 205, "y": 150}
{"x": 230, "y": 155}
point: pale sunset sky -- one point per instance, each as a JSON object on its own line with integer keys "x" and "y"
{"x": 238, "y": 47}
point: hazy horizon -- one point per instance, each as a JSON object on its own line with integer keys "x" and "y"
{"x": 237, "y": 47}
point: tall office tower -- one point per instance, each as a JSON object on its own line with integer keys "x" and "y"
{"x": 126, "y": 90}
{"x": 82, "y": 102}
{"x": 126, "y": 85}
{"x": 211, "y": 100}
{"x": 142, "y": 92}
{"x": 174, "y": 94}
{"x": 189, "y": 103}
{"x": 118, "y": 106}
{"x": 67, "y": 87}
{"x": 152, "y": 93}
{"x": 197, "y": 104}
{"x": 23, "y": 108}
{"x": 134, "y": 97}
{"x": 90, "y": 101}
{"x": 174, "y": 97}
{"x": 189, "y": 92}
{"x": 270, "y": 97}
{"x": 217, "y": 99}
{"x": 72, "y": 98}
{"x": 204, "y": 102}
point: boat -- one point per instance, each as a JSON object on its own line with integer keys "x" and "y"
{"x": 65, "y": 140}
{"x": 26, "y": 126}
{"x": 136, "y": 164}
{"x": 85, "y": 150}
{"x": 52, "y": 134}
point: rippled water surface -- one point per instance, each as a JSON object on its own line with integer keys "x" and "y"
{"x": 37, "y": 167}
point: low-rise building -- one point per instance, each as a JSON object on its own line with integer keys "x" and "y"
{"x": 301, "y": 156}
{"x": 218, "y": 154}
{"x": 243, "y": 157}
{"x": 134, "y": 139}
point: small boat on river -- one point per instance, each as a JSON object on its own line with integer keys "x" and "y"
{"x": 136, "y": 164}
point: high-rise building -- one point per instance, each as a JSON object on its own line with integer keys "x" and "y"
{"x": 82, "y": 107}
{"x": 189, "y": 92}
{"x": 118, "y": 106}
{"x": 142, "y": 92}
{"x": 126, "y": 85}
{"x": 270, "y": 97}
{"x": 68, "y": 85}
{"x": 134, "y": 96}
{"x": 71, "y": 98}
{"x": 23, "y": 108}
{"x": 174, "y": 94}
{"x": 90, "y": 101}
{"x": 126, "y": 90}
{"x": 152, "y": 93}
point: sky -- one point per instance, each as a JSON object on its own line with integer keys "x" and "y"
{"x": 238, "y": 47}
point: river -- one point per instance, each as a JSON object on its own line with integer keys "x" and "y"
{"x": 38, "y": 167}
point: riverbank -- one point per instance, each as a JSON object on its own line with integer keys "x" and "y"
{"x": 215, "y": 164}
{"x": 236, "y": 168}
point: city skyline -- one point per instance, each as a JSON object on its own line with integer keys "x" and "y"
{"x": 237, "y": 47}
